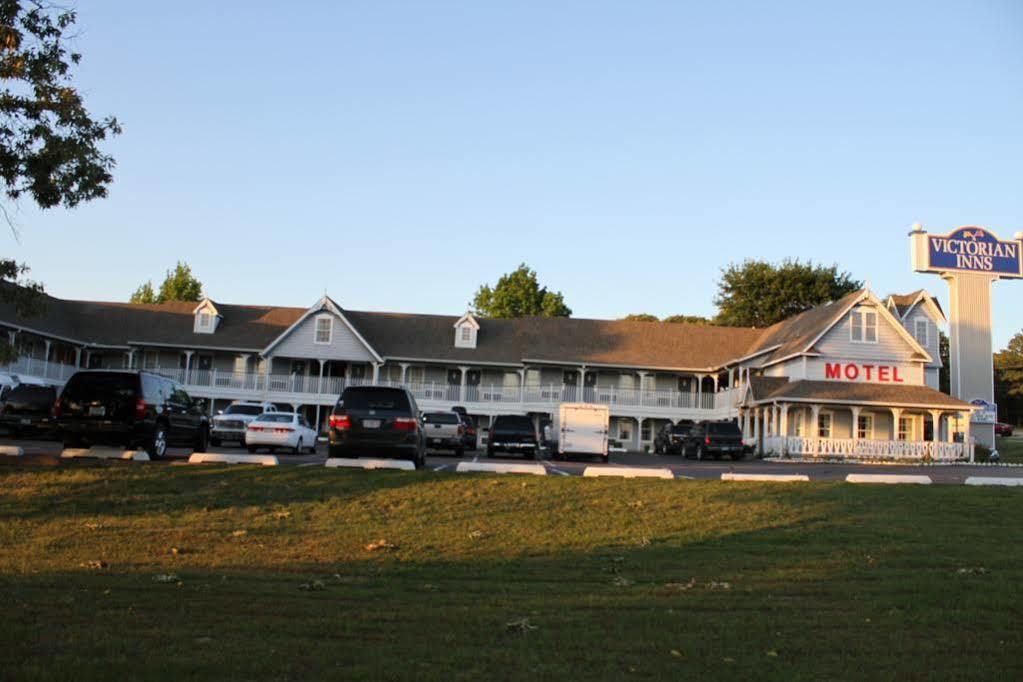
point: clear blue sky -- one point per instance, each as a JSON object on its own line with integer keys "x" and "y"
{"x": 400, "y": 154}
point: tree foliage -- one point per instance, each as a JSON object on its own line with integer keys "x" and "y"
{"x": 759, "y": 294}
{"x": 640, "y": 317}
{"x": 179, "y": 285}
{"x": 519, "y": 294}
{"x": 945, "y": 373}
{"x": 686, "y": 319}
{"x": 1008, "y": 364}
{"x": 48, "y": 140}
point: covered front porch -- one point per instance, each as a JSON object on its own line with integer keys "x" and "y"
{"x": 849, "y": 421}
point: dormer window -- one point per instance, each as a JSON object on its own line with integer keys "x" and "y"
{"x": 324, "y": 329}
{"x": 863, "y": 327}
{"x": 206, "y": 317}
{"x": 920, "y": 332}
{"x": 466, "y": 329}
{"x": 205, "y": 321}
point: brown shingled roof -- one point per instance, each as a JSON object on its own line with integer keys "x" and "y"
{"x": 864, "y": 393}
{"x": 796, "y": 333}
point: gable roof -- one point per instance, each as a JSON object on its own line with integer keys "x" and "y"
{"x": 325, "y": 303}
{"x": 864, "y": 393}
{"x": 796, "y": 334}
{"x": 904, "y": 303}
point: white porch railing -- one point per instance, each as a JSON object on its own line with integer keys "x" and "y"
{"x": 860, "y": 449}
{"x": 56, "y": 372}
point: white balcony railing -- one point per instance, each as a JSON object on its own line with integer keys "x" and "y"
{"x": 24, "y": 367}
{"x": 861, "y": 449}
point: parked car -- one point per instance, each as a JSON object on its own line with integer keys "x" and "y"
{"x": 273, "y": 430}
{"x": 444, "y": 431}
{"x": 230, "y": 424}
{"x": 669, "y": 440}
{"x": 26, "y": 410}
{"x": 513, "y": 433}
{"x": 135, "y": 409}
{"x": 1003, "y": 429}
{"x": 714, "y": 439}
{"x": 376, "y": 420}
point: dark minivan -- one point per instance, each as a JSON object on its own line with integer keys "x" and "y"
{"x": 513, "y": 433}
{"x": 26, "y": 410}
{"x": 130, "y": 408}
{"x": 669, "y": 440}
{"x": 377, "y": 420}
{"x": 715, "y": 439}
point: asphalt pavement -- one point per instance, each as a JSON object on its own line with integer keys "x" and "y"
{"x": 47, "y": 453}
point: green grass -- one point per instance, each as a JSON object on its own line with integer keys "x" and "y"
{"x": 1010, "y": 449}
{"x": 621, "y": 579}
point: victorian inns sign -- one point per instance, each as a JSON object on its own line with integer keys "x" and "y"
{"x": 973, "y": 249}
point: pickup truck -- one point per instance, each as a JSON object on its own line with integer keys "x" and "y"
{"x": 232, "y": 422}
{"x": 714, "y": 439}
{"x": 444, "y": 431}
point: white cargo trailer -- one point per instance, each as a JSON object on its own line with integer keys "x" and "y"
{"x": 582, "y": 429}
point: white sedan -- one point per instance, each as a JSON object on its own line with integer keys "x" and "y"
{"x": 274, "y": 430}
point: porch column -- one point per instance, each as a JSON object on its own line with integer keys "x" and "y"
{"x": 376, "y": 372}
{"x": 127, "y": 357}
{"x": 268, "y": 362}
{"x": 855, "y": 409}
{"x": 319, "y": 389}
{"x": 745, "y": 424}
{"x": 936, "y": 429}
{"x": 642, "y": 388}
{"x": 699, "y": 391}
{"x": 756, "y": 429}
{"x": 714, "y": 377}
{"x": 78, "y": 356}
{"x": 404, "y": 372}
{"x": 966, "y": 436}
{"x": 188, "y": 365}
{"x": 639, "y": 433}
{"x": 896, "y": 413}
{"x": 783, "y": 430}
{"x": 522, "y": 384}
{"x": 815, "y": 427}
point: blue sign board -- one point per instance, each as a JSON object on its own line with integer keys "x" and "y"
{"x": 987, "y": 414}
{"x": 974, "y": 249}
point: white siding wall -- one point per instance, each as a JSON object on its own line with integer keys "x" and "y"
{"x": 890, "y": 345}
{"x": 920, "y": 313}
{"x": 344, "y": 345}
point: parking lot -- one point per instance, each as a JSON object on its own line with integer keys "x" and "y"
{"x": 47, "y": 453}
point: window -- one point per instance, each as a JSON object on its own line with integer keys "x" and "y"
{"x": 796, "y": 426}
{"x": 324, "y": 329}
{"x": 466, "y": 333}
{"x": 624, "y": 430}
{"x": 905, "y": 428}
{"x": 920, "y": 332}
{"x": 824, "y": 425}
{"x": 865, "y": 427}
{"x": 644, "y": 433}
{"x": 863, "y": 327}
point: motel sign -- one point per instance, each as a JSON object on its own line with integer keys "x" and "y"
{"x": 969, "y": 259}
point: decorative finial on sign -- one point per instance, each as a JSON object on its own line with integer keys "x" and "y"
{"x": 1018, "y": 236}
{"x": 917, "y": 227}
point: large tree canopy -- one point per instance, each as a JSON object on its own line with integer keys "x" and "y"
{"x": 1008, "y": 365}
{"x": 179, "y": 285}
{"x": 519, "y": 294}
{"x": 48, "y": 140}
{"x": 759, "y": 294}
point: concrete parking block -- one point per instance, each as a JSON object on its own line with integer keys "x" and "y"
{"x": 98, "y": 452}
{"x": 779, "y": 478}
{"x": 11, "y": 451}
{"x": 993, "y": 480}
{"x": 366, "y": 463}
{"x": 887, "y": 478}
{"x": 627, "y": 472}
{"x": 501, "y": 468}
{"x": 223, "y": 458}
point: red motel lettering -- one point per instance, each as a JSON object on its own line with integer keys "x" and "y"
{"x": 850, "y": 371}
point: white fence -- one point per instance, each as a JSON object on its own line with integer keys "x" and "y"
{"x": 40, "y": 369}
{"x": 862, "y": 449}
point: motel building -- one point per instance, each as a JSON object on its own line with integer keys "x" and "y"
{"x": 856, "y": 377}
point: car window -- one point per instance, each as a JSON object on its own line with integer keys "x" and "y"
{"x": 277, "y": 417}
{"x": 375, "y": 398}
{"x": 514, "y": 423}
{"x": 252, "y": 410}
{"x": 724, "y": 429}
{"x": 104, "y": 387}
{"x": 180, "y": 397}
{"x": 440, "y": 418}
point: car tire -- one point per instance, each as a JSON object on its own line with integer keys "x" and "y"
{"x": 737, "y": 456}
{"x": 605, "y": 458}
{"x": 215, "y": 442}
{"x": 252, "y": 449}
{"x": 490, "y": 452}
{"x": 531, "y": 454}
{"x": 157, "y": 444}
{"x": 459, "y": 452}
{"x": 202, "y": 440}
{"x": 699, "y": 453}
{"x": 297, "y": 450}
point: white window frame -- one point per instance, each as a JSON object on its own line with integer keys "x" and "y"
{"x": 858, "y": 323}
{"x": 797, "y": 423}
{"x": 909, "y": 432}
{"x": 917, "y": 326}
{"x": 204, "y": 320}
{"x": 624, "y": 430}
{"x": 831, "y": 424}
{"x": 466, "y": 333}
{"x": 867, "y": 432}
{"x": 330, "y": 330}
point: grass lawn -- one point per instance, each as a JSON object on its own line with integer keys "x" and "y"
{"x": 1010, "y": 449}
{"x": 170, "y": 573}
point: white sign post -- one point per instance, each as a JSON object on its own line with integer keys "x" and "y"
{"x": 970, "y": 259}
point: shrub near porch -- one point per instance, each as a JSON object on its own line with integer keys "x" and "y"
{"x": 186, "y": 572}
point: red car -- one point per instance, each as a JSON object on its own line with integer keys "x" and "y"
{"x": 1003, "y": 429}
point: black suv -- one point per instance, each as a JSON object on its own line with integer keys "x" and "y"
{"x": 513, "y": 433}
{"x": 715, "y": 439}
{"x": 670, "y": 438}
{"x": 375, "y": 420}
{"x": 26, "y": 409}
{"x": 129, "y": 408}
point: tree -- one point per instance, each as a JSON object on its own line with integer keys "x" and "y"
{"x": 1008, "y": 365}
{"x": 48, "y": 140}
{"x": 759, "y": 294}
{"x": 945, "y": 373}
{"x": 144, "y": 294}
{"x": 640, "y": 317}
{"x": 518, "y": 294}
{"x": 178, "y": 285}
{"x": 686, "y": 319}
